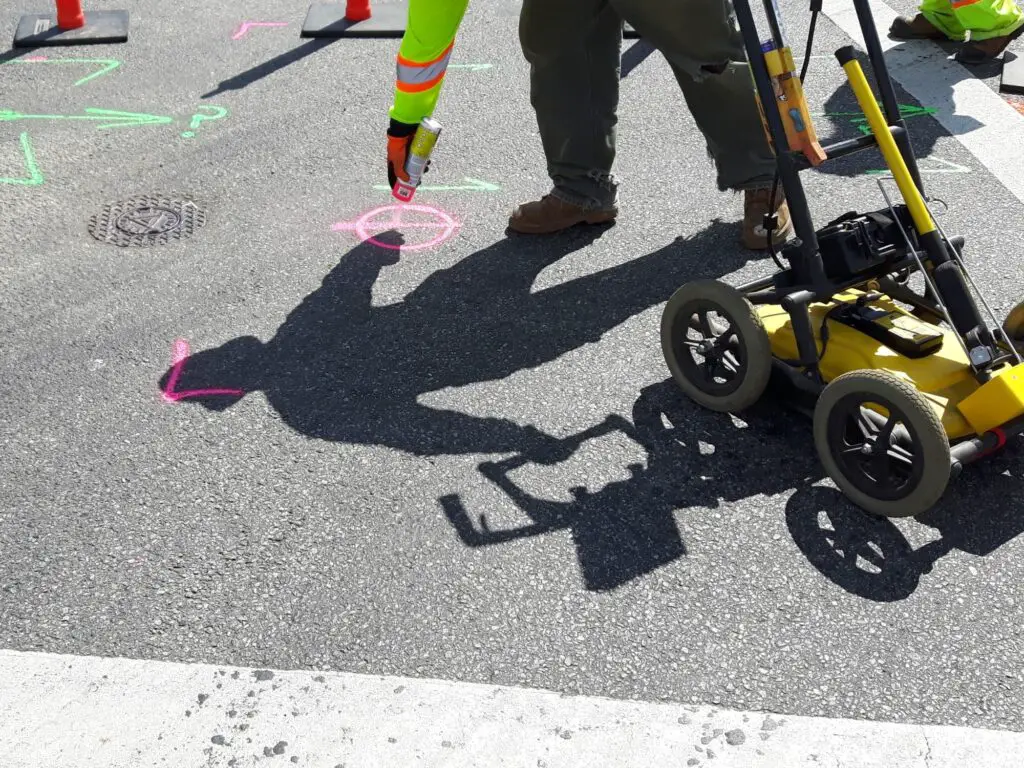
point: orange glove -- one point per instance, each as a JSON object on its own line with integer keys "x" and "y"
{"x": 399, "y": 137}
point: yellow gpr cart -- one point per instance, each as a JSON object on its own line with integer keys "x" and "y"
{"x": 908, "y": 385}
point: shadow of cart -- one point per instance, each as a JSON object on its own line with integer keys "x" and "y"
{"x": 870, "y": 556}
{"x": 629, "y": 528}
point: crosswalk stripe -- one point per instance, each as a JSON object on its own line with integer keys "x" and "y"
{"x": 91, "y": 712}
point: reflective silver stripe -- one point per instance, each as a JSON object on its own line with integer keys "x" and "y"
{"x": 413, "y": 75}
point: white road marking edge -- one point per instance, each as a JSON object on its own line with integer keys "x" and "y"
{"x": 81, "y": 711}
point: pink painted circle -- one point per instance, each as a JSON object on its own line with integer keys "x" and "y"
{"x": 402, "y": 218}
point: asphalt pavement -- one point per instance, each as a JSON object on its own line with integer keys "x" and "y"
{"x": 407, "y": 443}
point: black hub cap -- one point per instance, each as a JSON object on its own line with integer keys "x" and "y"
{"x": 868, "y": 451}
{"x": 709, "y": 348}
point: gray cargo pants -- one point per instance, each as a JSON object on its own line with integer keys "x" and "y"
{"x": 574, "y": 51}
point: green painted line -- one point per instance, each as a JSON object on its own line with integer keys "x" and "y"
{"x": 472, "y": 185}
{"x": 106, "y": 66}
{"x": 218, "y": 113}
{"x": 35, "y": 177}
{"x": 859, "y": 119}
{"x": 110, "y": 118}
{"x": 109, "y": 65}
{"x": 907, "y": 110}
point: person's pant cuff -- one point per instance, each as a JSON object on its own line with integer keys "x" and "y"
{"x": 596, "y": 200}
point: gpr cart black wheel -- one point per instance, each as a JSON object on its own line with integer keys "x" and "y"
{"x": 715, "y": 346}
{"x": 1013, "y": 327}
{"x": 882, "y": 443}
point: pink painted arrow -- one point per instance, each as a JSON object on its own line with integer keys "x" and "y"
{"x": 245, "y": 26}
{"x": 179, "y": 354}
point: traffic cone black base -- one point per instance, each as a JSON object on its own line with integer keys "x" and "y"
{"x": 36, "y": 30}
{"x": 328, "y": 20}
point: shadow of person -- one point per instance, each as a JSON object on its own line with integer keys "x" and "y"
{"x": 628, "y": 528}
{"x": 341, "y": 369}
{"x": 870, "y": 557}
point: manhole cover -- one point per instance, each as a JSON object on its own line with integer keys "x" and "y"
{"x": 147, "y": 220}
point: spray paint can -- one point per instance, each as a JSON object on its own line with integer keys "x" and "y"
{"x": 419, "y": 153}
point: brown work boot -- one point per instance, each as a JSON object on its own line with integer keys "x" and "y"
{"x": 981, "y": 51}
{"x": 755, "y": 206}
{"x": 550, "y": 214}
{"x": 916, "y": 28}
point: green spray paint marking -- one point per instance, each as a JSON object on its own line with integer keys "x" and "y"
{"x": 906, "y": 111}
{"x": 218, "y": 113}
{"x": 106, "y": 65}
{"x": 472, "y": 185}
{"x": 35, "y": 178}
{"x": 110, "y": 118}
{"x": 858, "y": 118}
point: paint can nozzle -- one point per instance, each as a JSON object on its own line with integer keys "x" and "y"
{"x": 419, "y": 153}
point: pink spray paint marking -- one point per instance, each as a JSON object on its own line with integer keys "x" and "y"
{"x": 179, "y": 354}
{"x": 396, "y": 217}
{"x": 245, "y": 26}
{"x": 35, "y": 58}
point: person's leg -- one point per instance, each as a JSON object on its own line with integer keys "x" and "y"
{"x": 935, "y": 20}
{"x": 988, "y": 26}
{"x": 702, "y": 43}
{"x": 993, "y": 25}
{"x": 573, "y": 48}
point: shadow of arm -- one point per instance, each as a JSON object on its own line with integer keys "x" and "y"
{"x": 456, "y": 513}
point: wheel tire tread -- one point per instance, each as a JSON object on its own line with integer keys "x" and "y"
{"x": 932, "y": 436}
{"x": 759, "y": 350}
{"x": 1013, "y": 326}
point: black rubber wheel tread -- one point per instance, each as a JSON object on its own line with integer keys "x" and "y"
{"x": 919, "y": 416}
{"x": 1013, "y": 326}
{"x": 757, "y": 347}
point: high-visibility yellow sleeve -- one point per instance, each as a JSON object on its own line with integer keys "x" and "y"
{"x": 423, "y": 57}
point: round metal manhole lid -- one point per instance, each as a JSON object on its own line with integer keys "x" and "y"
{"x": 149, "y": 220}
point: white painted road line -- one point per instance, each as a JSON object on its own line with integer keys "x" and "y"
{"x": 78, "y": 712}
{"x": 988, "y": 127}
